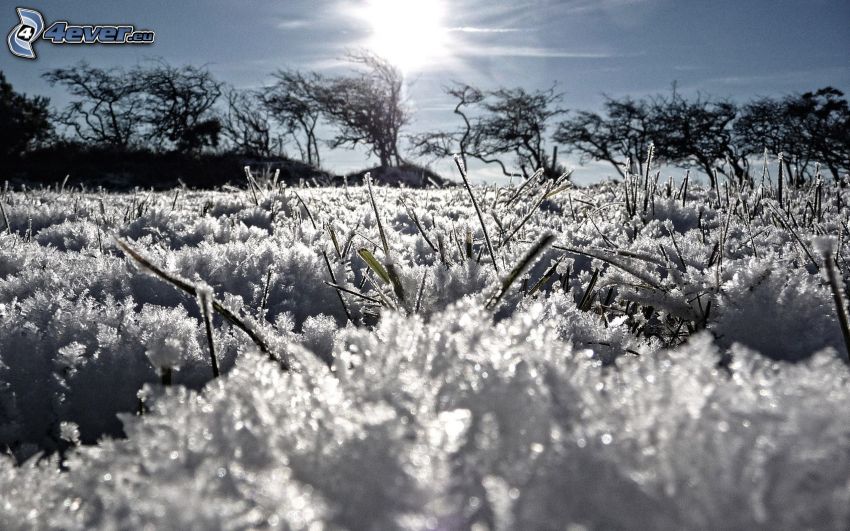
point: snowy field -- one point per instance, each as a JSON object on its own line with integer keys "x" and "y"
{"x": 671, "y": 358}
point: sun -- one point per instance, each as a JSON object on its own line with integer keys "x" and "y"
{"x": 408, "y": 33}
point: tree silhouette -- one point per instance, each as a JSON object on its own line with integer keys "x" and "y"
{"x": 246, "y": 123}
{"x": 24, "y": 121}
{"x": 497, "y": 123}
{"x": 807, "y": 128}
{"x": 367, "y": 107}
{"x": 178, "y": 106}
{"x": 107, "y": 104}
{"x": 697, "y": 133}
{"x": 515, "y": 121}
{"x": 621, "y": 136}
{"x": 445, "y": 144}
{"x": 293, "y": 102}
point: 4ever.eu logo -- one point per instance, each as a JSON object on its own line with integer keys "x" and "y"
{"x": 30, "y": 29}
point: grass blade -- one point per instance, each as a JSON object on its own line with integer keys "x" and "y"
{"x": 355, "y": 293}
{"x": 304, "y": 204}
{"x": 183, "y": 285}
{"x": 546, "y": 276}
{"x": 412, "y": 215}
{"x": 333, "y": 279}
{"x": 584, "y": 303}
{"x": 205, "y": 296}
{"x": 826, "y": 247}
{"x": 529, "y": 258}
{"x": 377, "y": 215}
{"x": 8, "y": 227}
{"x": 398, "y": 289}
{"x": 374, "y": 264}
{"x": 462, "y": 169}
{"x": 421, "y": 292}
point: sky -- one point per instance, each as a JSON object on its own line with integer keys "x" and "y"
{"x": 587, "y": 49}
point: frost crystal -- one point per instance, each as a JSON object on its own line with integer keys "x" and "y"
{"x": 166, "y": 354}
{"x": 824, "y": 244}
{"x": 689, "y": 374}
{"x": 69, "y": 431}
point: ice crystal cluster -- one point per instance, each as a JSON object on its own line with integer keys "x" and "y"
{"x": 672, "y": 361}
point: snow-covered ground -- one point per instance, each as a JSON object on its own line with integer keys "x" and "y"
{"x": 671, "y": 359}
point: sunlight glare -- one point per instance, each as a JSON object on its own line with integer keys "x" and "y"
{"x": 408, "y": 33}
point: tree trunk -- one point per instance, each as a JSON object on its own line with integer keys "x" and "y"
{"x": 554, "y": 162}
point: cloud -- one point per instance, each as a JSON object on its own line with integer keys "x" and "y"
{"x": 473, "y": 29}
{"x": 293, "y": 24}
{"x": 802, "y": 76}
{"x": 530, "y": 51}
{"x": 435, "y": 107}
{"x": 609, "y": 6}
{"x": 330, "y": 63}
{"x": 688, "y": 68}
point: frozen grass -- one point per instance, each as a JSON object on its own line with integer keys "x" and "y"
{"x": 629, "y": 355}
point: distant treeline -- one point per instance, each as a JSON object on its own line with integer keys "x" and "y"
{"x": 159, "y": 118}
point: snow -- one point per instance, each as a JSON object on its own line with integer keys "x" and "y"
{"x": 704, "y": 385}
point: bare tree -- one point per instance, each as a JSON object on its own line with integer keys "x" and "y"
{"x": 178, "y": 106}
{"x": 807, "y": 128}
{"x": 501, "y": 122}
{"x": 367, "y": 107}
{"x": 515, "y": 121}
{"x": 623, "y": 135}
{"x": 106, "y": 107}
{"x": 246, "y": 123}
{"x": 293, "y": 102}
{"x": 24, "y": 121}
{"x": 466, "y": 95}
{"x": 445, "y": 144}
{"x": 698, "y": 133}
{"x": 824, "y": 122}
